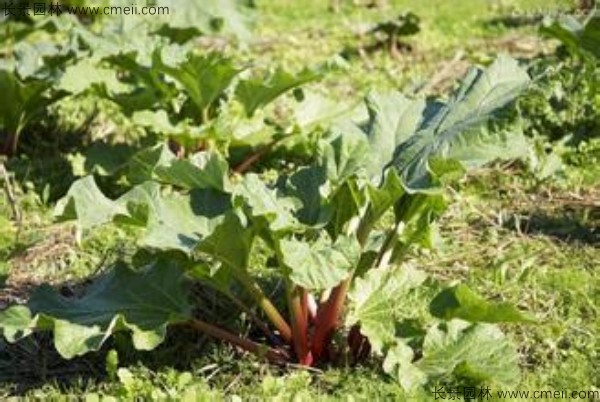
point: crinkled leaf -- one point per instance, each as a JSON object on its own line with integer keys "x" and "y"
{"x": 149, "y": 90}
{"x": 203, "y": 77}
{"x": 142, "y": 164}
{"x": 480, "y": 353}
{"x": 143, "y": 302}
{"x": 320, "y": 265}
{"x": 101, "y": 158}
{"x": 266, "y": 202}
{"x": 345, "y": 206}
{"x": 576, "y": 36}
{"x": 41, "y": 59}
{"x": 203, "y": 170}
{"x": 172, "y": 221}
{"x": 416, "y": 214}
{"x": 491, "y": 143}
{"x": 315, "y": 110}
{"x": 399, "y": 364}
{"x": 376, "y": 300}
{"x": 86, "y": 74}
{"x": 87, "y": 204}
{"x": 21, "y": 101}
{"x": 393, "y": 118}
{"x": 209, "y": 16}
{"x": 461, "y": 302}
{"x": 345, "y": 153}
{"x": 254, "y": 93}
{"x": 456, "y": 126}
{"x": 382, "y": 198}
{"x": 114, "y": 38}
{"x": 158, "y": 122}
{"x": 181, "y": 222}
{"x": 230, "y": 243}
{"x": 307, "y": 185}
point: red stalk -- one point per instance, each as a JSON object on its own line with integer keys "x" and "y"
{"x": 10, "y": 146}
{"x": 328, "y": 319}
{"x": 262, "y": 351}
{"x": 299, "y": 313}
{"x": 246, "y": 164}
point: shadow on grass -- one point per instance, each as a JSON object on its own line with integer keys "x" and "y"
{"x": 513, "y": 21}
{"x": 571, "y": 224}
{"x": 50, "y": 172}
{"x": 34, "y": 361}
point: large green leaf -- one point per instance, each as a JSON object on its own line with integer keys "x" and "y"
{"x": 203, "y": 170}
{"x": 149, "y": 89}
{"x": 88, "y": 73}
{"x": 87, "y": 204}
{"x": 262, "y": 201}
{"x": 43, "y": 59}
{"x": 345, "y": 153}
{"x": 345, "y": 206}
{"x": 399, "y": 364}
{"x": 231, "y": 242}
{"x": 173, "y": 221}
{"x": 322, "y": 264}
{"x": 393, "y": 118}
{"x": 203, "y": 77}
{"x": 158, "y": 122}
{"x": 590, "y": 37}
{"x": 181, "y": 222}
{"x": 376, "y": 301}
{"x": 454, "y": 130}
{"x": 576, "y": 36}
{"x": 21, "y": 101}
{"x": 461, "y": 302}
{"x": 316, "y": 110}
{"x": 479, "y": 353}
{"x": 142, "y": 302}
{"x": 308, "y": 186}
{"x": 142, "y": 164}
{"x": 209, "y": 16}
{"x": 260, "y": 91}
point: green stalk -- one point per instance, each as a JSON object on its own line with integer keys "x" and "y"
{"x": 259, "y": 323}
{"x": 267, "y": 306}
{"x": 205, "y": 115}
{"x": 273, "y": 355}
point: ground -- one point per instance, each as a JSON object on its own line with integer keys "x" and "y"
{"x": 508, "y": 234}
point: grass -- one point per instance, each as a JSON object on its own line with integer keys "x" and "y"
{"x": 511, "y": 237}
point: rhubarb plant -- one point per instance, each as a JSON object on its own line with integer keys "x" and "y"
{"x": 208, "y": 101}
{"x": 337, "y": 232}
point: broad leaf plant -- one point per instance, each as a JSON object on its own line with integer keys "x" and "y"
{"x": 338, "y": 232}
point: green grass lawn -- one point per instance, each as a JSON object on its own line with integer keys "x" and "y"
{"x": 509, "y": 236}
